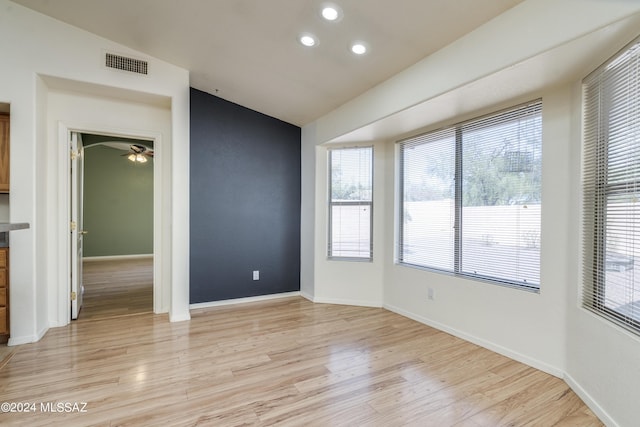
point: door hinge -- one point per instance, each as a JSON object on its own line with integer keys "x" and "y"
{"x": 74, "y": 154}
{"x": 73, "y": 226}
{"x": 73, "y": 296}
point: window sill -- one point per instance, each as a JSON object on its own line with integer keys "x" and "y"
{"x": 513, "y": 285}
{"x": 350, "y": 259}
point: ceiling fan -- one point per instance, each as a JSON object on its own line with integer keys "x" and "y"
{"x": 138, "y": 153}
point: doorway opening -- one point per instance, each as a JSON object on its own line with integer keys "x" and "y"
{"x": 114, "y": 243}
{"x": 115, "y": 288}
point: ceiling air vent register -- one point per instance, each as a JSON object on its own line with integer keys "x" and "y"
{"x": 124, "y": 63}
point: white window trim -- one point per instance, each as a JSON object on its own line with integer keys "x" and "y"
{"x": 595, "y": 186}
{"x": 330, "y": 204}
{"x": 455, "y": 271}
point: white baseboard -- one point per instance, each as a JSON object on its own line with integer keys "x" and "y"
{"x": 117, "y": 257}
{"x": 589, "y": 401}
{"x": 243, "y": 300}
{"x": 41, "y": 334}
{"x": 306, "y": 296}
{"x": 57, "y": 324}
{"x": 27, "y": 339}
{"x": 179, "y": 318}
{"x": 534, "y": 363}
{"x": 339, "y": 301}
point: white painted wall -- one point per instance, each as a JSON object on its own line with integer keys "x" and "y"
{"x": 87, "y": 112}
{"x": 31, "y": 46}
{"x": 526, "y": 326}
{"x": 307, "y": 211}
{"x": 603, "y": 360}
{"x": 547, "y": 330}
{"x": 349, "y": 282}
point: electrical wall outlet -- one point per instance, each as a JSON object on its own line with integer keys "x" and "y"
{"x": 430, "y": 293}
{"x": 256, "y": 274}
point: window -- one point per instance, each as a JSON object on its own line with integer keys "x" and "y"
{"x": 470, "y": 198}
{"x": 611, "y": 188}
{"x": 351, "y": 203}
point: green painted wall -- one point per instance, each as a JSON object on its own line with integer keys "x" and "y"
{"x": 118, "y": 203}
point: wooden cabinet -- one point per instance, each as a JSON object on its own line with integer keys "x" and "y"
{"x": 4, "y": 294}
{"x": 4, "y": 153}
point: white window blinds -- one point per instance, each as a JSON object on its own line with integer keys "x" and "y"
{"x": 427, "y": 217}
{"x": 611, "y": 189}
{"x": 350, "y": 203}
{"x": 470, "y": 198}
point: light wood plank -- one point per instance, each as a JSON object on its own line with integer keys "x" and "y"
{"x": 117, "y": 288}
{"x": 282, "y": 362}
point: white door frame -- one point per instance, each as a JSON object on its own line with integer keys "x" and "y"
{"x": 76, "y": 235}
{"x": 64, "y": 199}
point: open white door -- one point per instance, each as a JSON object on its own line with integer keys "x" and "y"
{"x": 77, "y": 232}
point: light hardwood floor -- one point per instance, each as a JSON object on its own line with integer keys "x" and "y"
{"x": 117, "y": 288}
{"x": 282, "y": 362}
{"x": 112, "y": 289}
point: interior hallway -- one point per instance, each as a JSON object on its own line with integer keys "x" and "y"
{"x": 117, "y": 288}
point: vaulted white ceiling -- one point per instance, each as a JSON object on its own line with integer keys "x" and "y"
{"x": 246, "y": 51}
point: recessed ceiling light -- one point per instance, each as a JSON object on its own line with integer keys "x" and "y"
{"x": 308, "y": 40}
{"x": 330, "y": 13}
{"x": 359, "y": 48}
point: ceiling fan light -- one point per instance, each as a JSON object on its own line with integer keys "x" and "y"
{"x": 132, "y": 157}
{"x": 140, "y": 158}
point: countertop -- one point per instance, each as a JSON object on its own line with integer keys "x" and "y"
{"x": 12, "y": 226}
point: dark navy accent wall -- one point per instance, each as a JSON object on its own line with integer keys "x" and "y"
{"x": 245, "y": 201}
